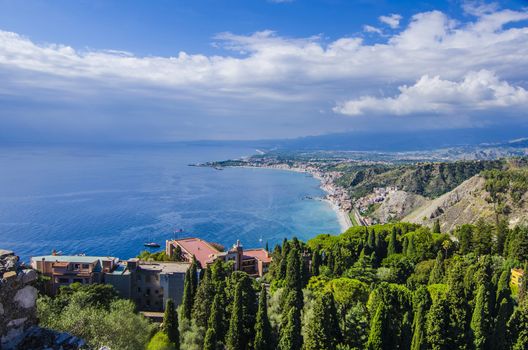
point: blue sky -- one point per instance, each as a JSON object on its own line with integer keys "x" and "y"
{"x": 251, "y": 69}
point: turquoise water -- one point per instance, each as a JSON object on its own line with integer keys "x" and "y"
{"x": 111, "y": 201}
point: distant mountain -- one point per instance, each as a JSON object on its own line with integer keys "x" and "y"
{"x": 392, "y": 141}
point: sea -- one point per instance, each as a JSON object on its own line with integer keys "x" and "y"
{"x": 109, "y": 201}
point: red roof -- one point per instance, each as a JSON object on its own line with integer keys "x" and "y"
{"x": 202, "y": 250}
{"x": 260, "y": 254}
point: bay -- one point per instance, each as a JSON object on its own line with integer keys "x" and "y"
{"x": 109, "y": 201}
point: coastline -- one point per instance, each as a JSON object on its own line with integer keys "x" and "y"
{"x": 343, "y": 217}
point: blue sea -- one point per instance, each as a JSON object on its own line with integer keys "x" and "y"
{"x": 110, "y": 201}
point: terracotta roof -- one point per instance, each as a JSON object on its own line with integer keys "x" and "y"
{"x": 202, "y": 250}
{"x": 260, "y": 254}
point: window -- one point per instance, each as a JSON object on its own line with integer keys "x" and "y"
{"x": 148, "y": 291}
{"x": 139, "y": 289}
{"x": 76, "y": 266}
{"x": 85, "y": 266}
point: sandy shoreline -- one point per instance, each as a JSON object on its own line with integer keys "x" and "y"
{"x": 342, "y": 216}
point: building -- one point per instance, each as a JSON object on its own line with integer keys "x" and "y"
{"x": 149, "y": 284}
{"x": 67, "y": 269}
{"x": 253, "y": 261}
{"x": 203, "y": 251}
{"x": 516, "y": 277}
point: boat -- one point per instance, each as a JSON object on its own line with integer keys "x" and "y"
{"x": 152, "y": 245}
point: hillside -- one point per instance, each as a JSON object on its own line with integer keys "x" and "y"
{"x": 425, "y": 179}
{"x": 475, "y": 199}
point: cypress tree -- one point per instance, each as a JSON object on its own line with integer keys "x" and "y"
{"x": 393, "y": 242}
{"x": 293, "y": 270}
{"x": 458, "y": 307}
{"x": 518, "y": 328}
{"x": 380, "y": 249}
{"x": 503, "y": 286}
{"x": 371, "y": 241}
{"x": 411, "y": 250}
{"x": 437, "y": 274}
{"x": 481, "y": 319}
{"x": 316, "y": 262}
{"x": 378, "y": 338}
{"x": 194, "y": 276}
{"x": 203, "y": 300}
{"x": 187, "y": 295}
{"x": 170, "y": 324}
{"x": 235, "y": 335}
{"x": 322, "y": 331}
{"x": 505, "y": 310}
{"x": 267, "y": 246}
{"x": 210, "y": 340}
{"x": 421, "y": 303}
{"x": 215, "y": 331}
{"x": 436, "y": 226}
{"x": 263, "y": 333}
{"x": 290, "y": 334}
{"x": 438, "y": 325}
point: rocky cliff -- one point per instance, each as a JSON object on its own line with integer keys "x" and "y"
{"x": 467, "y": 203}
{"x": 18, "y": 311}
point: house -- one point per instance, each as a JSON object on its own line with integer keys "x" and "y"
{"x": 66, "y": 269}
{"x": 149, "y": 284}
{"x": 253, "y": 261}
{"x": 516, "y": 277}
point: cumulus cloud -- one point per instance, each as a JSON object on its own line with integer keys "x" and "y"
{"x": 258, "y": 75}
{"x": 478, "y": 91}
{"x": 392, "y": 20}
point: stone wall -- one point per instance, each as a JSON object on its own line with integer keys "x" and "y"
{"x": 18, "y": 311}
{"x": 17, "y": 299}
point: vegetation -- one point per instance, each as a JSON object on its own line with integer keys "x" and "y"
{"x": 426, "y": 179}
{"x": 94, "y": 313}
{"x": 394, "y": 286}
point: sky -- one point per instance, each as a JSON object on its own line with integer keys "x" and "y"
{"x": 168, "y": 70}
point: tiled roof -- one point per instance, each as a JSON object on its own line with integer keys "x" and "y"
{"x": 260, "y": 254}
{"x": 202, "y": 250}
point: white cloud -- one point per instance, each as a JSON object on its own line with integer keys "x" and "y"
{"x": 478, "y": 91}
{"x": 392, "y": 20}
{"x": 371, "y": 29}
{"x": 298, "y": 76}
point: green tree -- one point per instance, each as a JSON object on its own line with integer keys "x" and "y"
{"x": 235, "y": 335}
{"x": 170, "y": 324}
{"x": 160, "y": 341}
{"x": 194, "y": 276}
{"x": 437, "y": 274}
{"x": 438, "y": 324}
{"x": 215, "y": 331}
{"x": 393, "y": 243}
{"x": 518, "y": 328}
{"x": 421, "y": 303}
{"x": 316, "y": 262}
{"x": 322, "y": 331}
{"x": 499, "y": 339}
{"x": 203, "y": 300}
{"x": 481, "y": 319}
{"x": 263, "y": 332}
{"x": 187, "y": 301}
{"x": 290, "y": 334}
{"x": 436, "y": 226}
{"x": 458, "y": 307}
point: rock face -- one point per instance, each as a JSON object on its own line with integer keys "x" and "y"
{"x": 465, "y": 204}
{"x": 397, "y": 205}
{"x": 18, "y": 311}
{"x": 17, "y": 299}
